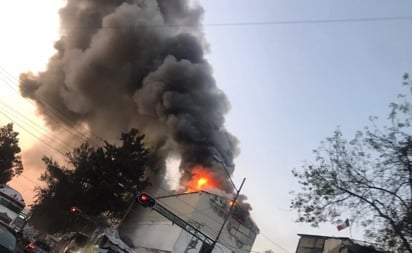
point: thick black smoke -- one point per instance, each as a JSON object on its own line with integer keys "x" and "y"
{"x": 123, "y": 64}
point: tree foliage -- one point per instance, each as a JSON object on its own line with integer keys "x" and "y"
{"x": 368, "y": 178}
{"x": 10, "y": 161}
{"x": 101, "y": 184}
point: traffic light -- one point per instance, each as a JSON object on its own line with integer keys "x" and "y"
{"x": 75, "y": 210}
{"x": 145, "y": 200}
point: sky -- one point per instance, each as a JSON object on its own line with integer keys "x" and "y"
{"x": 289, "y": 86}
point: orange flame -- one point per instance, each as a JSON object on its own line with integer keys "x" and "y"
{"x": 201, "y": 179}
{"x": 200, "y": 182}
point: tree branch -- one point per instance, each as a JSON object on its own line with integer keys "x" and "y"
{"x": 381, "y": 214}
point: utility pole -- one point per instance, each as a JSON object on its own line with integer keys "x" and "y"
{"x": 225, "y": 220}
{"x": 213, "y": 245}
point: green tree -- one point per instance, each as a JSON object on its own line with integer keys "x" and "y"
{"x": 368, "y": 178}
{"x": 10, "y": 161}
{"x": 101, "y": 184}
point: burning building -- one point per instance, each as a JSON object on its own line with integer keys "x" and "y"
{"x": 205, "y": 212}
{"x": 193, "y": 220}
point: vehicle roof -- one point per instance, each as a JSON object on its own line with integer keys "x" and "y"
{"x": 12, "y": 193}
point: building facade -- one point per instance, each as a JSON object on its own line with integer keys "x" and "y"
{"x": 202, "y": 210}
{"x": 325, "y": 244}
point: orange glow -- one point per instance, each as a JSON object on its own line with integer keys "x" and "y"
{"x": 201, "y": 180}
{"x": 31, "y": 246}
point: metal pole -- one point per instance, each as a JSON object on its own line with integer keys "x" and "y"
{"x": 225, "y": 169}
{"x": 227, "y": 217}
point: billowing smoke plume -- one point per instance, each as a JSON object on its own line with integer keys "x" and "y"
{"x": 135, "y": 63}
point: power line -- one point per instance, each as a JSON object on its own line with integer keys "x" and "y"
{"x": 57, "y": 116}
{"x": 314, "y": 21}
{"x": 25, "y": 124}
{"x": 274, "y": 243}
{"x": 36, "y": 130}
{"x": 29, "y": 179}
{"x": 260, "y": 23}
{"x": 31, "y": 133}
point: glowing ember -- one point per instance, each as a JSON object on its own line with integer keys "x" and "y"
{"x": 201, "y": 180}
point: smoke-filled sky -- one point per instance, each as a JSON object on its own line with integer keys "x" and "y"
{"x": 137, "y": 64}
{"x": 283, "y": 87}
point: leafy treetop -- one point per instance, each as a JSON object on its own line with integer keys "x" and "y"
{"x": 368, "y": 178}
{"x": 102, "y": 185}
{"x": 10, "y": 162}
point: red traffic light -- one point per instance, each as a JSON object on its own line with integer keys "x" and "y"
{"x": 145, "y": 200}
{"x": 74, "y": 210}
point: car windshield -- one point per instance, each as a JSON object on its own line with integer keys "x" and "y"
{"x": 7, "y": 240}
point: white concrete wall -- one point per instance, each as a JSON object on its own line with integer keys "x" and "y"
{"x": 184, "y": 240}
{"x": 155, "y": 231}
{"x": 334, "y": 246}
{"x": 159, "y": 235}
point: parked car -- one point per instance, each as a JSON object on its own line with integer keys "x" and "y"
{"x": 37, "y": 247}
{"x": 8, "y": 240}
